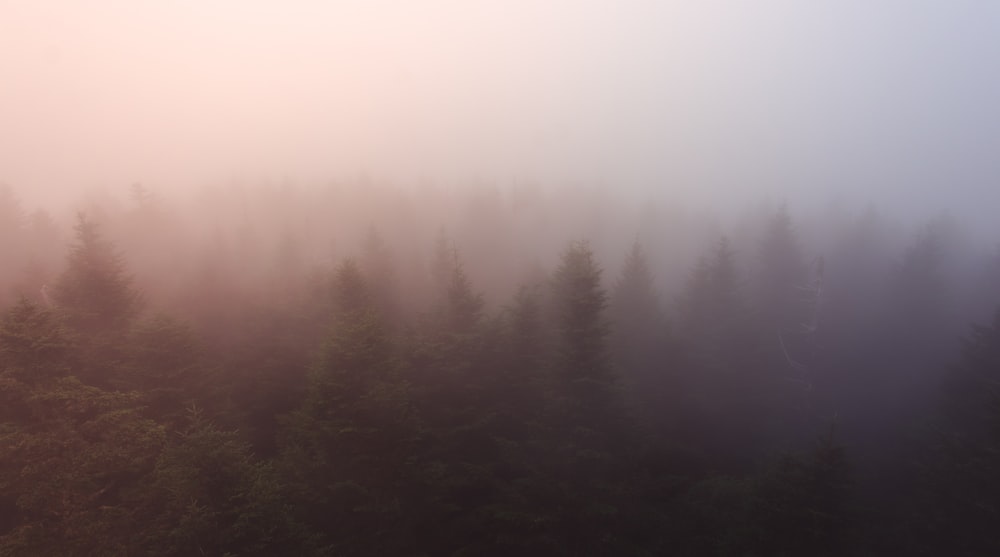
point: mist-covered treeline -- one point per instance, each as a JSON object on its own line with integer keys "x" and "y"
{"x": 368, "y": 370}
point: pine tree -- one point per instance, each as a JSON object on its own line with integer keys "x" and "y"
{"x": 781, "y": 272}
{"x": 95, "y": 292}
{"x": 591, "y": 433}
{"x": 463, "y": 307}
{"x": 377, "y": 265}
{"x": 959, "y": 484}
{"x": 346, "y": 445}
{"x": 72, "y": 453}
{"x": 209, "y": 496}
{"x": 640, "y": 341}
{"x": 34, "y": 343}
{"x": 714, "y": 318}
{"x": 583, "y": 329}
{"x": 12, "y": 239}
{"x": 165, "y": 362}
{"x": 728, "y": 389}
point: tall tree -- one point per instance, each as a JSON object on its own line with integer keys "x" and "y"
{"x": 781, "y": 272}
{"x": 347, "y": 444}
{"x": 960, "y": 503}
{"x": 377, "y": 264}
{"x": 73, "y": 453}
{"x": 95, "y": 292}
{"x": 583, "y": 329}
{"x": 729, "y": 388}
{"x": 640, "y": 341}
{"x": 209, "y": 496}
{"x": 591, "y": 434}
{"x": 12, "y": 238}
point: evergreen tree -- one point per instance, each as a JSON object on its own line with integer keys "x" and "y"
{"x": 12, "y": 239}
{"x": 95, "y": 292}
{"x": 165, "y": 362}
{"x": 960, "y": 503}
{"x": 34, "y": 343}
{"x": 580, "y": 304}
{"x": 463, "y": 307}
{"x": 728, "y": 388}
{"x": 640, "y": 341}
{"x": 377, "y": 265}
{"x": 347, "y": 444}
{"x": 782, "y": 272}
{"x": 209, "y": 496}
{"x": 591, "y": 432}
{"x": 72, "y": 453}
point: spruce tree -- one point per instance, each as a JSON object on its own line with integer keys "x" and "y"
{"x": 640, "y": 340}
{"x": 346, "y": 446}
{"x": 95, "y": 291}
{"x": 583, "y": 329}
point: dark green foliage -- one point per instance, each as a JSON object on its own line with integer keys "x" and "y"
{"x": 72, "y": 457}
{"x": 34, "y": 344}
{"x": 346, "y": 445}
{"x": 164, "y": 360}
{"x": 209, "y": 496}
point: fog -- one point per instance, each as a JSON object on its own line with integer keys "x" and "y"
{"x": 719, "y": 102}
{"x": 474, "y": 278}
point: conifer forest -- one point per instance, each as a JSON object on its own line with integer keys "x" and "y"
{"x": 481, "y": 278}
{"x": 359, "y": 369}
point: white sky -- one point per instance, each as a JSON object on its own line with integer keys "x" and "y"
{"x": 707, "y": 99}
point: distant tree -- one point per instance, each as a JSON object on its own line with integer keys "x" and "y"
{"x": 583, "y": 330}
{"x": 141, "y": 195}
{"x": 95, "y": 292}
{"x": 919, "y": 289}
{"x": 714, "y": 318}
{"x": 729, "y": 388}
{"x": 919, "y": 331}
{"x": 377, "y": 264}
{"x": 463, "y": 307}
{"x": 287, "y": 279}
{"x": 634, "y": 300}
{"x": 527, "y": 331}
{"x": 781, "y": 273}
{"x": 640, "y": 340}
{"x": 12, "y": 219}
{"x": 12, "y": 240}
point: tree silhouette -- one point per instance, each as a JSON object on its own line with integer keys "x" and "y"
{"x": 95, "y": 292}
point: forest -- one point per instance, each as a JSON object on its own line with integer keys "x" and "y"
{"x": 362, "y": 369}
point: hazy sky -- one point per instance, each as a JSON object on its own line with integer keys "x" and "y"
{"x": 714, "y": 99}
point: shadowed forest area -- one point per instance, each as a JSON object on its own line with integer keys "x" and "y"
{"x": 360, "y": 369}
